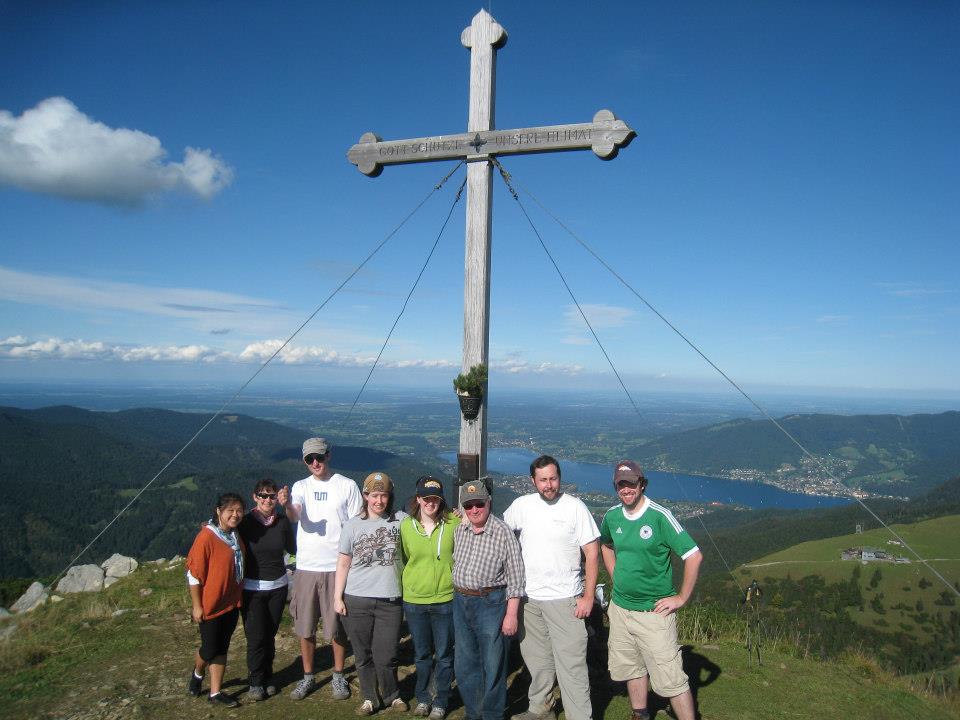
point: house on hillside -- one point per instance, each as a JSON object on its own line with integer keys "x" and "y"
{"x": 868, "y": 554}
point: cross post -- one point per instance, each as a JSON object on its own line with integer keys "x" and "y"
{"x": 604, "y": 136}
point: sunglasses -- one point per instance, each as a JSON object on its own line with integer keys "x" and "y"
{"x": 311, "y": 459}
{"x": 473, "y": 505}
{"x": 432, "y": 499}
{"x": 267, "y": 496}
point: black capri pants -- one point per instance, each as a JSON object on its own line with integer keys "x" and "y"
{"x": 215, "y": 634}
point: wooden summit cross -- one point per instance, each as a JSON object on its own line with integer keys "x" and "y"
{"x": 605, "y": 136}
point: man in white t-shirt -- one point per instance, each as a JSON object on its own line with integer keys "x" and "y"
{"x": 320, "y": 504}
{"x": 556, "y": 531}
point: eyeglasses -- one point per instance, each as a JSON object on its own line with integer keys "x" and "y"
{"x": 474, "y": 505}
{"x": 432, "y": 499}
{"x": 631, "y": 486}
{"x": 267, "y": 496}
{"x": 311, "y": 459}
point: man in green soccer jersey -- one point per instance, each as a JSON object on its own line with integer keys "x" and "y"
{"x": 636, "y": 539}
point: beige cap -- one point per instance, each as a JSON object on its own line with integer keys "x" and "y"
{"x": 378, "y": 482}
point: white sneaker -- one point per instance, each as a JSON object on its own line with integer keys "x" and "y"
{"x": 366, "y": 708}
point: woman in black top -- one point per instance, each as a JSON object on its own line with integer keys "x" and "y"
{"x": 267, "y": 535}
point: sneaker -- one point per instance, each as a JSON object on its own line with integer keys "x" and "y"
{"x": 398, "y": 705}
{"x": 222, "y": 698}
{"x": 193, "y": 685}
{"x": 340, "y": 687}
{"x": 640, "y": 714}
{"x": 422, "y": 709}
{"x": 256, "y": 693}
{"x": 438, "y": 713}
{"x": 366, "y": 708}
{"x": 306, "y": 686}
{"x": 527, "y": 715}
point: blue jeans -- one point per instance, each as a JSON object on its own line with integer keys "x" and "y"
{"x": 481, "y": 655}
{"x": 431, "y": 626}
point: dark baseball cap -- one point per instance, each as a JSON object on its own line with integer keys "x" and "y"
{"x": 627, "y": 471}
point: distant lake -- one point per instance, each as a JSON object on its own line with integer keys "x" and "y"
{"x": 594, "y": 477}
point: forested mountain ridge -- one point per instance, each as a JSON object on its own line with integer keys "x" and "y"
{"x": 891, "y": 454}
{"x": 70, "y": 471}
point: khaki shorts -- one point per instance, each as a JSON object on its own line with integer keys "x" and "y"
{"x": 645, "y": 643}
{"x": 311, "y": 598}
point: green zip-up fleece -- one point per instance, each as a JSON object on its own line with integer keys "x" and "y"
{"x": 427, "y": 574}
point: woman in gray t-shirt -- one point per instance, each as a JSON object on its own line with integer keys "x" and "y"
{"x": 367, "y": 593}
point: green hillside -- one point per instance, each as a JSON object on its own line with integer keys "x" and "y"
{"x": 898, "y": 612}
{"x": 898, "y": 596}
{"x": 72, "y": 470}
{"x": 124, "y": 653}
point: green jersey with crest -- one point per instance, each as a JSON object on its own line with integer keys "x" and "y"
{"x": 643, "y": 574}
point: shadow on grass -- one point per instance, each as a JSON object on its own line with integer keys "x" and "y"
{"x": 700, "y": 670}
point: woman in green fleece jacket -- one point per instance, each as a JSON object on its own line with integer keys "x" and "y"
{"x": 426, "y": 541}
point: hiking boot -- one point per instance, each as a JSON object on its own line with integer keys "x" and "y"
{"x": 398, "y": 705}
{"x": 640, "y": 714}
{"x": 223, "y": 699}
{"x": 438, "y": 713}
{"x": 193, "y": 686}
{"x": 340, "y": 687}
{"x": 422, "y": 709}
{"x": 306, "y": 686}
{"x": 256, "y": 693}
{"x": 366, "y": 708}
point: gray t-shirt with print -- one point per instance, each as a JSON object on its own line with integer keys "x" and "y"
{"x": 374, "y": 545}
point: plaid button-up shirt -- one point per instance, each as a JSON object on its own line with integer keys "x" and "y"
{"x": 488, "y": 558}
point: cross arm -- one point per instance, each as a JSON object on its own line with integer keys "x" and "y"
{"x": 605, "y": 135}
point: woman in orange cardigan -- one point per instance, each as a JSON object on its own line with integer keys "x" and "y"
{"x": 215, "y": 578}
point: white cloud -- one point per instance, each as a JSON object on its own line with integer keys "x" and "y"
{"x": 18, "y": 347}
{"x": 208, "y": 309}
{"x": 600, "y": 316}
{"x": 516, "y": 366}
{"x": 911, "y": 289}
{"x": 54, "y": 148}
{"x": 315, "y": 355}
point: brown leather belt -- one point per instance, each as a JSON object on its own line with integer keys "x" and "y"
{"x": 482, "y": 592}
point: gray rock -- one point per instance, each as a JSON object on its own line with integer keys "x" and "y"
{"x": 119, "y": 612}
{"x": 55, "y": 598}
{"x": 7, "y": 630}
{"x": 108, "y": 581}
{"x": 4, "y": 612}
{"x": 144, "y": 592}
{"x": 35, "y": 596}
{"x": 82, "y": 578}
{"x": 118, "y": 565}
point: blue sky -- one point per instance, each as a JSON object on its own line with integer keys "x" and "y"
{"x": 175, "y": 196}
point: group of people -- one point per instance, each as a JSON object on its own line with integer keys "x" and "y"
{"x": 465, "y": 580}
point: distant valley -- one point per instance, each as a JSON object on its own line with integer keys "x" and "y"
{"x": 72, "y": 469}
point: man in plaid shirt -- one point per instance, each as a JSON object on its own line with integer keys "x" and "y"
{"x": 488, "y": 580}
